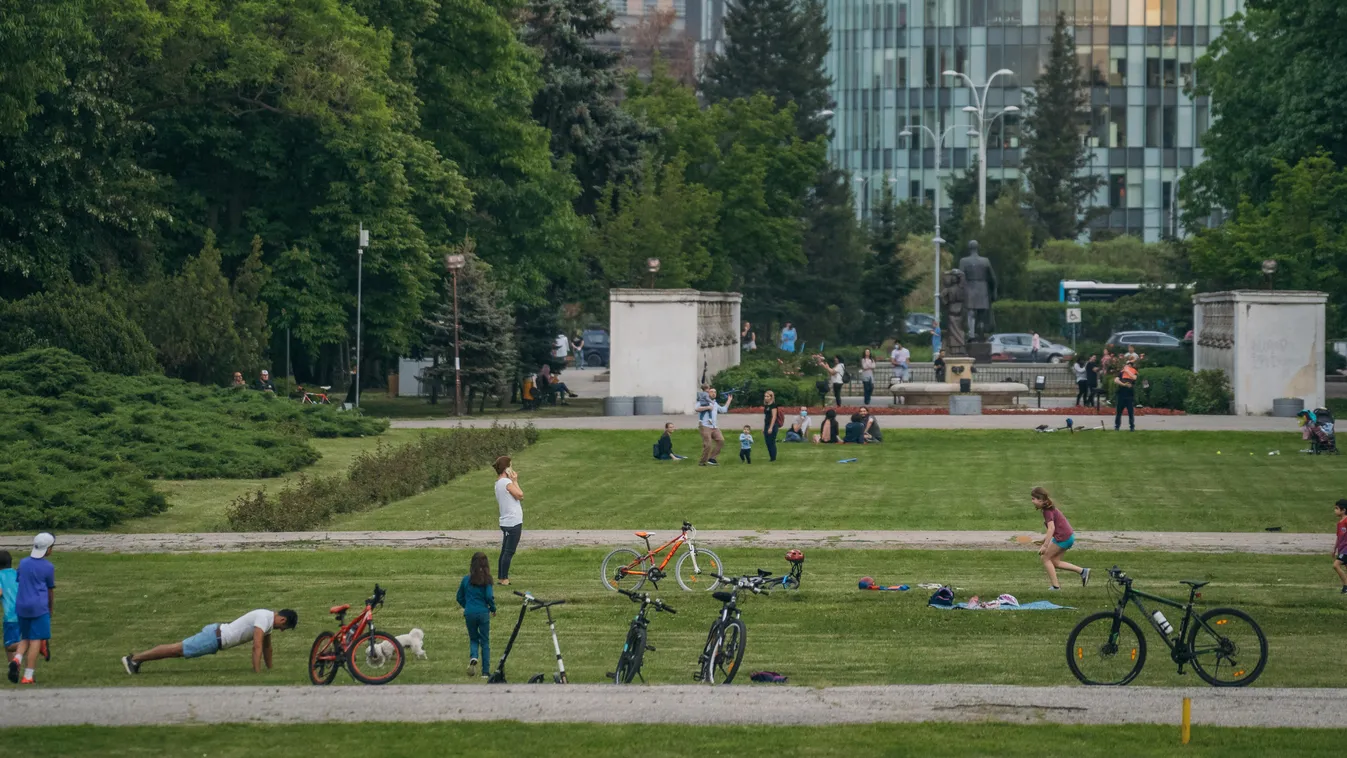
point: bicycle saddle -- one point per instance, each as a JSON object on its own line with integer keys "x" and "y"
{"x": 1193, "y": 584}
{"x": 326, "y": 387}
{"x": 644, "y": 535}
{"x": 339, "y": 608}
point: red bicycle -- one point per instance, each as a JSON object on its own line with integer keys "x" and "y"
{"x": 371, "y": 656}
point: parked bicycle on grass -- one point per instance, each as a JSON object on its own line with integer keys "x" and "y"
{"x": 696, "y": 569}
{"x": 358, "y": 647}
{"x": 725, "y": 642}
{"x": 1224, "y": 645}
{"x": 637, "y": 643}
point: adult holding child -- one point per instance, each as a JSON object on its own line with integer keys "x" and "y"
{"x": 510, "y": 499}
{"x": 708, "y": 413}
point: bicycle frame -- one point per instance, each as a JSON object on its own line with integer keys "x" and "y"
{"x": 347, "y": 633}
{"x": 656, "y": 573}
{"x": 1178, "y": 650}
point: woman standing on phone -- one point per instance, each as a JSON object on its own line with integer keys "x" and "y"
{"x": 511, "y": 501}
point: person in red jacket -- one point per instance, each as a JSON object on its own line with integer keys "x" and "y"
{"x": 1340, "y": 547}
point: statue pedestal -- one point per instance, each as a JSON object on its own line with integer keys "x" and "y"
{"x": 958, "y": 367}
{"x": 980, "y": 352}
{"x": 965, "y": 405}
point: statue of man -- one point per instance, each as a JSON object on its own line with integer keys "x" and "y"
{"x": 952, "y": 297}
{"x": 979, "y": 292}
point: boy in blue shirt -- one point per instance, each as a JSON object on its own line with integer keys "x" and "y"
{"x": 9, "y": 590}
{"x": 746, "y": 445}
{"x": 33, "y": 605}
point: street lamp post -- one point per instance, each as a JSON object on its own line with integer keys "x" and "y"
{"x": 652, "y": 265}
{"x": 361, "y": 244}
{"x": 860, "y": 194}
{"x": 939, "y": 148}
{"x": 979, "y": 109}
{"x": 455, "y": 263}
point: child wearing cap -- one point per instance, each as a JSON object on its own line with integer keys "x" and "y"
{"x": 33, "y": 606}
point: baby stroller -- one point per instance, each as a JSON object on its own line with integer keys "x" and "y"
{"x": 1318, "y": 430}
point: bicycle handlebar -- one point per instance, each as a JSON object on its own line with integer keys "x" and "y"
{"x": 378, "y": 598}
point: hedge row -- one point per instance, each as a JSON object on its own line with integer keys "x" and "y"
{"x": 377, "y": 478}
{"x": 1206, "y": 392}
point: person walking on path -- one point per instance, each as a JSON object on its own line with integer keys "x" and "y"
{"x": 1034, "y": 344}
{"x": 34, "y": 603}
{"x": 899, "y": 358}
{"x": 868, "y": 374}
{"x": 510, "y": 500}
{"x": 1340, "y": 546}
{"x": 255, "y": 626}
{"x": 1126, "y": 397}
{"x": 578, "y": 346}
{"x": 708, "y": 413}
{"x": 788, "y": 336}
{"x": 1057, "y": 539}
{"x": 771, "y": 422}
{"x": 1082, "y": 381}
{"x": 478, "y": 601}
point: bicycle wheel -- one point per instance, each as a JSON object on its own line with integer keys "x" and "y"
{"x": 615, "y": 565}
{"x": 1227, "y": 648}
{"x": 727, "y": 652}
{"x": 633, "y": 652}
{"x": 324, "y": 659}
{"x": 380, "y": 669}
{"x": 700, "y": 578}
{"x": 1106, "y": 648}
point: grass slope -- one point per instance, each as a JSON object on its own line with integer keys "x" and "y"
{"x": 829, "y": 633}
{"x": 917, "y": 479}
{"x": 508, "y": 739}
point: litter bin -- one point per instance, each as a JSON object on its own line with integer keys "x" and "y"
{"x": 649, "y": 405}
{"x": 1287, "y": 407}
{"x": 617, "y": 406}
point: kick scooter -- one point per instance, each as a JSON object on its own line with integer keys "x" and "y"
{"x": 531, "y": 603}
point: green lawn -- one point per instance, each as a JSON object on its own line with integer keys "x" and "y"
{"x": 420, "y": 407}
{"x": 509, "y": 739}
{"x": 917, "y": 479}
{"x": 829, "y": 633}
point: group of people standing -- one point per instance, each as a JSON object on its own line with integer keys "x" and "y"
{"x": 1087, "y": 372}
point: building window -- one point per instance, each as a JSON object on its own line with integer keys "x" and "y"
{"x": 1117, "y": 126}
{"x": 1152, "y": 126}
{"x": 1117, "y": 191}
{"x": 1117, "y": 75}
{"x": 1152, "y": 12}
{"x": 1099, "y": 131}
{"x": 1166, "y": 195}
{"x": 913, "y": 189}
{"x": 1152, "y": 72}
{"x": 902, "y": 71}
{"x": 1170, "y": 125}
{"x": 931, "y": 73}
{"x": 1170, "y": 68}
{"x": 1202, "y": 116}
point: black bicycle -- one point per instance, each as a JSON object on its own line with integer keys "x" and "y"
{"x": 1223, "y": 645}
{"x": 725, "y": 643}
{"x": 633, "y": 650}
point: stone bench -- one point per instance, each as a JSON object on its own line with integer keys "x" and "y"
{"x": 936, "y": 394}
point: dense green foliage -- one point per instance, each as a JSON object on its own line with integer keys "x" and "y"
{"x": 77, "y": 445}
{"x": 886, "y": 281}
{"x": 485, "y": 334}
{"x": 88, "y": 322}
{"x": 1209, "y": 392}
{"x": 377, "y": 478}
{"x": 1005, "y": 240}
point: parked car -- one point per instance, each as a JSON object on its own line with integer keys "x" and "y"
{"x": 1140, "y": 339}
{"x": 1017, "y": 347}
{"x": 595, "y": 352}
{"x": 919, "y": 323}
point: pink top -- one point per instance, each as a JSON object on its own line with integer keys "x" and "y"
{"x": 1341, "y": 546}
{"x": 1062, "y": 530}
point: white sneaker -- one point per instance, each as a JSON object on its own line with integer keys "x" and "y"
{"x": 472, "y": 667}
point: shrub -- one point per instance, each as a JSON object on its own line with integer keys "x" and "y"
{"x": 89, "y": 323}
{"x": 1210, "y": 393}
{"x": 1165, "y": 387}
{"x": 377, "y": 478}
{"x": 1334, "y": 361}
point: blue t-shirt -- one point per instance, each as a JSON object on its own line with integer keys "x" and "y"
{"x": 788, "y": 340}
{"x": 474, "y": 599}
{"x": 745, "y": 441}
{"x": 36, "y": 576}
{"x": 9, "y": 593}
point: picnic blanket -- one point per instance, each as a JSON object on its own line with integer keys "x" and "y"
{"x": 1037, "y": 605}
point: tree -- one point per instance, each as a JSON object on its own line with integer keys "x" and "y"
{"x": 962, "y": 189}
{"x": 1005, "y": 240}
{"x": 484, "y": 336}
{"x": 1056, "y": 160}
{"x": 827, "y": 302}
{"x": 88, "y": 321}
{"x": 886, "y": 282}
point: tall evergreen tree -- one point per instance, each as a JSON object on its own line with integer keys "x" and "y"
{"x": 485, "y": 338}
{"x": 886, "y": 281}
{"x": 1055, "y": 157}
{"x": 578, "y": 100}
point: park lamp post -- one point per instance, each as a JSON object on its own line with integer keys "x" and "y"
{"x": 652, "y": 265}
{"x": 361, "y": 244}
{"x": 939, "y": 148}
{"x": 984, "y": 125}
{"x": 860, "y": 194}
{"x": 455, "y": 263}
{"x": 1269, "y": 269}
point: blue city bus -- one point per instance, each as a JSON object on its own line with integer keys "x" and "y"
{"x": 1090, "y": 291}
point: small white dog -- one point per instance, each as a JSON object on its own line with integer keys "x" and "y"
{"x": 412, "y": 642}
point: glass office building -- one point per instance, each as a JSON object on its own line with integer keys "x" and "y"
{"x": 1136, "y": 55}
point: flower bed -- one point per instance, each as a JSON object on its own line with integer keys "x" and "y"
{"x": 900, "y": 410}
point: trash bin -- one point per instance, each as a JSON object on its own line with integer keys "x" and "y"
{"x": 1287, "y": 407}
{"x": 649, "y": 405}
{"x": 618, "y": 406}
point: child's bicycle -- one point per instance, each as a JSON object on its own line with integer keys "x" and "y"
{"x": 790, "y": 581}
{"x": 696, "y": 569}
{"x": 1224, "y": 646}
{"x": 633, "y": 650}
{"x": 725, "y": 642}
{"x": 313, "y": 398}
{"x": 358, "y": 647}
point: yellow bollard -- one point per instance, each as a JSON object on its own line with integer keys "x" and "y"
{"x": 1187, "y": 729}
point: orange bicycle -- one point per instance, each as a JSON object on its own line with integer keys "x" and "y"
{"x": 696, "y": 569}
{"x": 372, "y": 657}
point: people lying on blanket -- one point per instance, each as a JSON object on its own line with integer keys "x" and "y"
{"x": 664, "y": 448}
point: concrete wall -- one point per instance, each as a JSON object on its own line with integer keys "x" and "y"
{"x": 1270, "y": 344}
{"x": 663, "y": 339}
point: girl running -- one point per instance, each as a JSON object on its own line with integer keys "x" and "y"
{"x": 1057, "y": 539}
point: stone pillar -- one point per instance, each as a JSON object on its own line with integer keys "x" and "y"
{"x": 1270, "y": 344}
{"x": 662, "y": 340}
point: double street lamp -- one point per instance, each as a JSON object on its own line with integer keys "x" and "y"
{"x": 939, "y": 148}
{"x": 983, "y": 127}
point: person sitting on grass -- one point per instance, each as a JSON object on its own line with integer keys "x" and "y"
{"x": 1340, "y": 547}
{"x": 664, "y": 448}
{"x": 256, "y": 626}
{"x": 1057, "y": 539}
{"x": 799, "y": 428}
{"x": 827, "y": 431}
{"x": 872, "y": 431}
{"x": 854, "y": 433}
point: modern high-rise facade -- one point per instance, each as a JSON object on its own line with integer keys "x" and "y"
{"x": 1137, "y": 56}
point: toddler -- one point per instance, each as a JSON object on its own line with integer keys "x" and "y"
{"x": 746, "y": 445}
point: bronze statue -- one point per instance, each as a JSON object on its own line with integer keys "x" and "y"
{"x": 979, "y": 293}
{"x": 952, "y": 297}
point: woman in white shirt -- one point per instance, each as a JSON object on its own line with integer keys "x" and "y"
{"x": 510, "y": 499}
{"x": 868, "y": 374}
{"x": 836, "y": 376}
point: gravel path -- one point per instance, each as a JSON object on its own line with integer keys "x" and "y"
{"x": 1024, "y": 423}
{"x": 683, "y": 704}
{"x": 1275, "y": 543}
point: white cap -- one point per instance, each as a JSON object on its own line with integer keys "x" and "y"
{"x": 41, "y": 544}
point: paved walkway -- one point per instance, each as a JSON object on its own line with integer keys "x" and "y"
{"x": 1275, "y": 543}
{"x": 1024, "y": 423}
{"x": 682, "y": 704}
